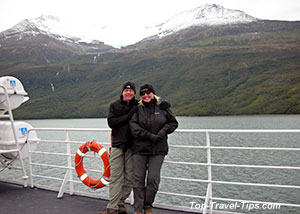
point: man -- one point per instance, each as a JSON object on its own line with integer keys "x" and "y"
{"x": 119, "y": 114}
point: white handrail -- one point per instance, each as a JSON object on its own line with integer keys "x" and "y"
{"x": 210, "y": 181}
{"x": 180, "y": 130}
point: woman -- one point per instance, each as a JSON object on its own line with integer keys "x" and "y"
{"x": 149, "y": 126}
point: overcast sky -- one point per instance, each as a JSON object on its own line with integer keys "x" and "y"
{"x": 126, "y": 19}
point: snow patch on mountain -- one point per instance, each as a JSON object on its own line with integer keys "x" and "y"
{"x": 50, "y": 25}
{"x": 206, "y": 15}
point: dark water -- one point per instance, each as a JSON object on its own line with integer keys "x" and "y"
{"x": 249, "y": 157}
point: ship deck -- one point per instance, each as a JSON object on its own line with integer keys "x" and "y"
{"x": 19, "y": 199}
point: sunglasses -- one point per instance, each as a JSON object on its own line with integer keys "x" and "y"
{"x": 145, "y": 92}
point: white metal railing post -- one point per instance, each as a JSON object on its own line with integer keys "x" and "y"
{"x": 131, "y": 198}
{"x": 69, "y": 162}
{"x": 11, "y": 118}
{"x": 207, "y": 199}
{"x": 68, "y": 175}
{"x": 209, "y": 174}
{"x": 30, "y": 159}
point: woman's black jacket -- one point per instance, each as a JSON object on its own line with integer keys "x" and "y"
{"x": 150, "y": 126}
{"x": 118, "y": 117}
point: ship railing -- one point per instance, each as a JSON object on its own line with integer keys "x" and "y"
{"x": 208, "y": 198}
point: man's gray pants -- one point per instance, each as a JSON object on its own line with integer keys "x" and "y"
{"x": 121, "y": 177}
{"x": 144, "y": 195}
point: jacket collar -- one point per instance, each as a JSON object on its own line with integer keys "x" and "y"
{"x": 151, "y": 103}
{"x": 125, "y": 102}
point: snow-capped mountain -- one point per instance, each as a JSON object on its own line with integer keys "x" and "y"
{"x": 50, "y": 25}
{"x": 64, "y": 31}
{"x": 202, "y": 16}
{"x": 57, "y": 30}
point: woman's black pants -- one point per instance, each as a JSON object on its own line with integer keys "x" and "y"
{"x": 146, "y": 167}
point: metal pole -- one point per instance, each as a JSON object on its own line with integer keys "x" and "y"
{"x": 209, "y": 173}
{"x": 30, "y": 160}
{"x": 25, "y": 177}
{"x": 69, "y": 159}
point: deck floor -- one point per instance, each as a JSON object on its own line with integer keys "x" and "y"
{"x": 15, "y": 199}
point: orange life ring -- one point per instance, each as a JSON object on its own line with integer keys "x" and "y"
{"x": 98, "y": 148}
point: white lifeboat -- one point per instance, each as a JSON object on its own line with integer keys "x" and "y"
{"x": 15, "y": 90}
{"x": 7, "y": 140}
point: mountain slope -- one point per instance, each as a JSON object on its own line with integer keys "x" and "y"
{"x": 224, "y": 70}
{"x": 242, "y": 68}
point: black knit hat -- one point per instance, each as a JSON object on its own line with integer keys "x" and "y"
{"x": 129, "y": 85}
{"x": 147, "y": 87}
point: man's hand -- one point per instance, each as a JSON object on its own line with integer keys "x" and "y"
{"x": 132, "y": 111}
{"x": 164, "y": 105}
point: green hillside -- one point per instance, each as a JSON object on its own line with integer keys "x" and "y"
{"x": 249, "y": 69}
